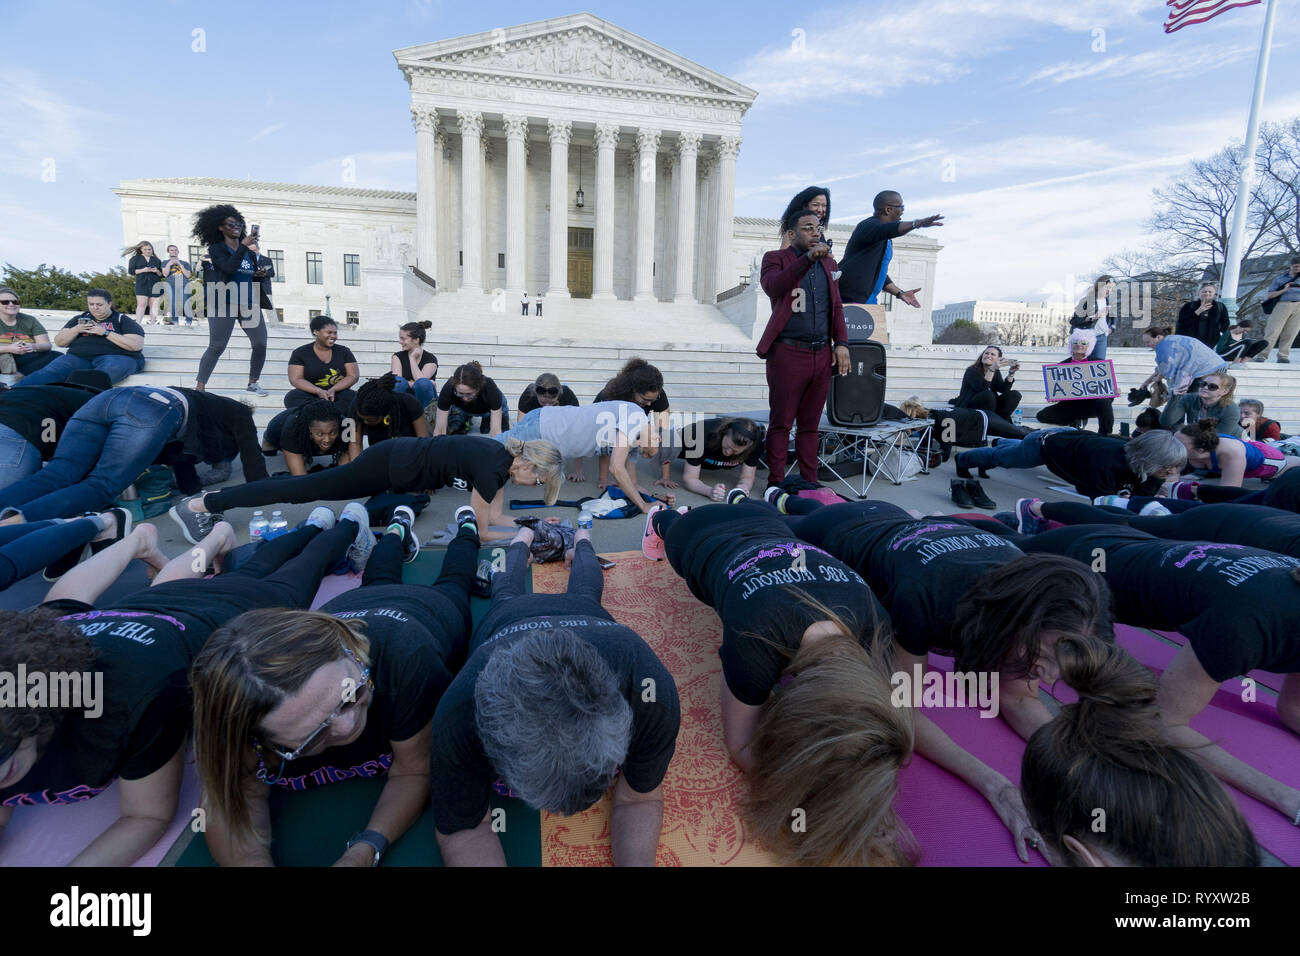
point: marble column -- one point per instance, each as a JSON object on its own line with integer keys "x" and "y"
{"x": 602, "y": 285}
{"x": 446, "y": 193}
{"x": 426, "y": 191}
{"x": 471, "y": 198}
{"x": 725, "y": 276}
{"x": 688, "y": 147}
{"x": 561, "y": 132}
{"x": 516, "y": 203}
{"x": 704, "y": 233}
{"x": 647, "y": 144}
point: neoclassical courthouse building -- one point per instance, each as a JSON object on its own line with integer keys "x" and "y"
{"x": 566, "y": 157}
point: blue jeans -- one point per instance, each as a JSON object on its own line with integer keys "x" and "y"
{"x": 527, "y": 428}
{"x": 1009, "y": 452}
{"x": 18, "y": 457}
{"x": 116, "y": 367}
{"x": 1099, "y": 350}
{"x": 177, "y": 287}
{"x": 103, "y": 449}
{"x": 26, "y": 548}
{"x": 424, "y": 389}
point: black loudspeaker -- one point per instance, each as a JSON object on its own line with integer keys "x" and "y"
{"x": 857, "y": 399}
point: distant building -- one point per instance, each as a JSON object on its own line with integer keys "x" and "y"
{"x": 1013, "y": 323}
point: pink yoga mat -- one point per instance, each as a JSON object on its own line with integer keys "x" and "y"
{"x": 333, "y": 585}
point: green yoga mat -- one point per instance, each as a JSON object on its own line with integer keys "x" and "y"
{"x": 311, "y": 827}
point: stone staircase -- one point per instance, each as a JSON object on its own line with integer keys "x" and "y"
{"x": 699, "y": 377}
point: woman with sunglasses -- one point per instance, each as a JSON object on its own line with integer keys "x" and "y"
{"x": 230, "y": 282}
{"x": 1232, "y": 459}
{"x": 1214, "y": 397}
{"x": 23, "y": 338}
{"x": 300, "y": 699}
{"x": 399, "y": 464}
{"x": 135, "y": 729}
{"x": 467, "y": 395}
{"x": 546, "y": 390}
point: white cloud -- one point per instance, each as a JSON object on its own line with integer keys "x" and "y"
{"x": 265, "y": 132}
{"x": 1168, "y": 63}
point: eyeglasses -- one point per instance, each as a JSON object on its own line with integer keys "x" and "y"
{"x": 899, "y": 208}
{"x": 360, "y": 694}
{"x": 1207, "y": 387}
{"x": 546, "y": 389}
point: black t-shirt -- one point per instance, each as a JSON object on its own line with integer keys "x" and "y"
{"x": 323, "y": 374}
{"x": 398, "y": 424}
{"x": 88, "y": 346}
{"x": 411, "y": 655}
{"x": 461, "y": 776}
{"x": 1094, "y": 464}
{"x": 29, "y": 410}
{"x": 488, "y": 399}
{"x": 919, "y": 569}
{"x": 467, "y": 462}
{"x": 404, "y": 360}
{"x": 1238, "y": 606}
{"x": 144, "y": 659}
{"x": 753, "y": 574}
{"x": 1269, "y": 529}
{"x": 660, "y": 404}
{"x": 706, "y": 451}
{"x": 284, "y": 432}
{"x": 528, "y": 399}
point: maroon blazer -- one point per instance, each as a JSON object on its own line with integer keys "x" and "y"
{"x": 783, "y": 270}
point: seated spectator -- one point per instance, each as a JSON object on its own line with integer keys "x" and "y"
{"x": 99, "y": 338}
{"x": 1078, "y": 411}
{"x": 1109, "y": 750}
{"x": 1234, "y": 346}
{"x": 553, "y": 702}
{"x": 24, "y": 343}
{"x": 721, "y": 443}
{"x": 1204, "y": 318}
{"x": 1254, "y": 424}
{"x": 1180, "y": 359}
{"x": 1232, "y": 459}
{"x": 383, "y": 411}
{"x": 984, "y": 388}
{"x": 311, "y": 431}
{"x": 546, "y": 390}
{"x": 323, "y": 369}
{"x": 1215, "y": 397}
{"x": 416, "y": 369}
{"x": 32, "y": 419}
{"x": 469, "y": 395}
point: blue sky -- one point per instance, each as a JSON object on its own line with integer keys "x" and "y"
{"x": 1037, "y": 128}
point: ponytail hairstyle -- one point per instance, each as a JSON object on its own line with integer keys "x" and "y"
{"x": 416, "y": 330}
{"x": 831, "y": 742}
{"x": 317, "y": 410}
{"x": 470, "y": 375}
{"x": 636, "y": 377}
{"x": 378, "y": 399}
{"x": 246, "y": 669}
{"x": 1204, "y": 434}
{"x": 1003, "y": 617}
{"x": 1109, "y": 752}
{"x": 546, "y": 461}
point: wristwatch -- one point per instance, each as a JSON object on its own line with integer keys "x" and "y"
{"x": 373, "y": 839}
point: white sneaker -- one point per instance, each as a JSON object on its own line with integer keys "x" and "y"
{"x": 322, "y": 518}
{"x": 359, "y": 550}
{"x": 1153, "y": 509}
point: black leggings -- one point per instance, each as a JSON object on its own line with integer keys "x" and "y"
{"x": 219, "y": 331}
{"x": 999, "y": 409}
{"x": 283, "y": 572}
{"x": 367, "y": 475}
{"x": 681, "y": 531}
{"x": 1067, "y": 413}
{"x": 1193, "y": 525}
{"x": 510, "y": 603}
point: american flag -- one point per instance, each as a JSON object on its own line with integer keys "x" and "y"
{"x": 1183, "y": 13}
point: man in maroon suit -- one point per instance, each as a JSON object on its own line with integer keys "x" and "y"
{"x": 805, "y": 334}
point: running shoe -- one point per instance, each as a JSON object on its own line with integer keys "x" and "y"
{"x": 321, "y": 517}
{"x": 465, "y": 515}
{"x": 195, "y": 525}
{"x": 652, "y": 546}
{"x": 404, "y": 523}
{"x": 775, "y": 497}
{"x": 735, "y": 496}
{"x": 1111, "y": 501}
{"x": 257, "y": 390}
{"x": 1154, "y": 509}
{"x": 1026, "y": 521}
{"x": 359, "y": 550}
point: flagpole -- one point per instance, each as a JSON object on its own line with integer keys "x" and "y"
{"x": 1232, "y": 261}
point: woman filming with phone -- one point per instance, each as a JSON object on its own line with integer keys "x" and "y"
{"x": 230, "y": 287}
{"x": 985, "y": 388}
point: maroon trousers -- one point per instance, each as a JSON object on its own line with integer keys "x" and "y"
{"x": 798, "y": 382}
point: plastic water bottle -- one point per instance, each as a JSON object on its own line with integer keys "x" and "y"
{"x": 585, "y": 519}
{"x": 1017, "y": 417}
{"x": 278, "y": 526}
{"x": 258, "y": 527}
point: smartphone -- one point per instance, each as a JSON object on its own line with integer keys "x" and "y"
{"x": 605, "y": 564}
{"x": 256, "y": 230}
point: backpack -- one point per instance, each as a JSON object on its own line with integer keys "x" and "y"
{"x": 154, "y": 487}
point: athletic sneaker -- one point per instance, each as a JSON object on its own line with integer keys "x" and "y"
{"x": 1111, "y": 501}
{"x": 735, "y": 496}
{"x": 1026, "y": 521}
{"x": 359, "y": 550}
{"x": 257, "y": 390}
{"x": 321, "y": 517}
{"x": 195, "y": 525}
{"x": 652, "y": 546}
{"x": 1008, "y": 519}
{"x": 775, "y": 497}
{"x": 122, "y": 522}
{"x": 404, "y": 522}
{"x": 465, "y": 515}
{"x": 1154, "y": 509}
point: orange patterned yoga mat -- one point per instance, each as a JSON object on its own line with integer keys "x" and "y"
{"x": 703, "y": 789}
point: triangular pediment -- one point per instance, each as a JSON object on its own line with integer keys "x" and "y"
{"x": 581, "y": 49}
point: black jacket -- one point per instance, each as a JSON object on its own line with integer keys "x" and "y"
{"x": 974, "y": 383}
{"x": 219, "y": 428}
{"x": 223, "y": 267}
{"x": 1209, "y": 327}
{"x": 863, "y": 257}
